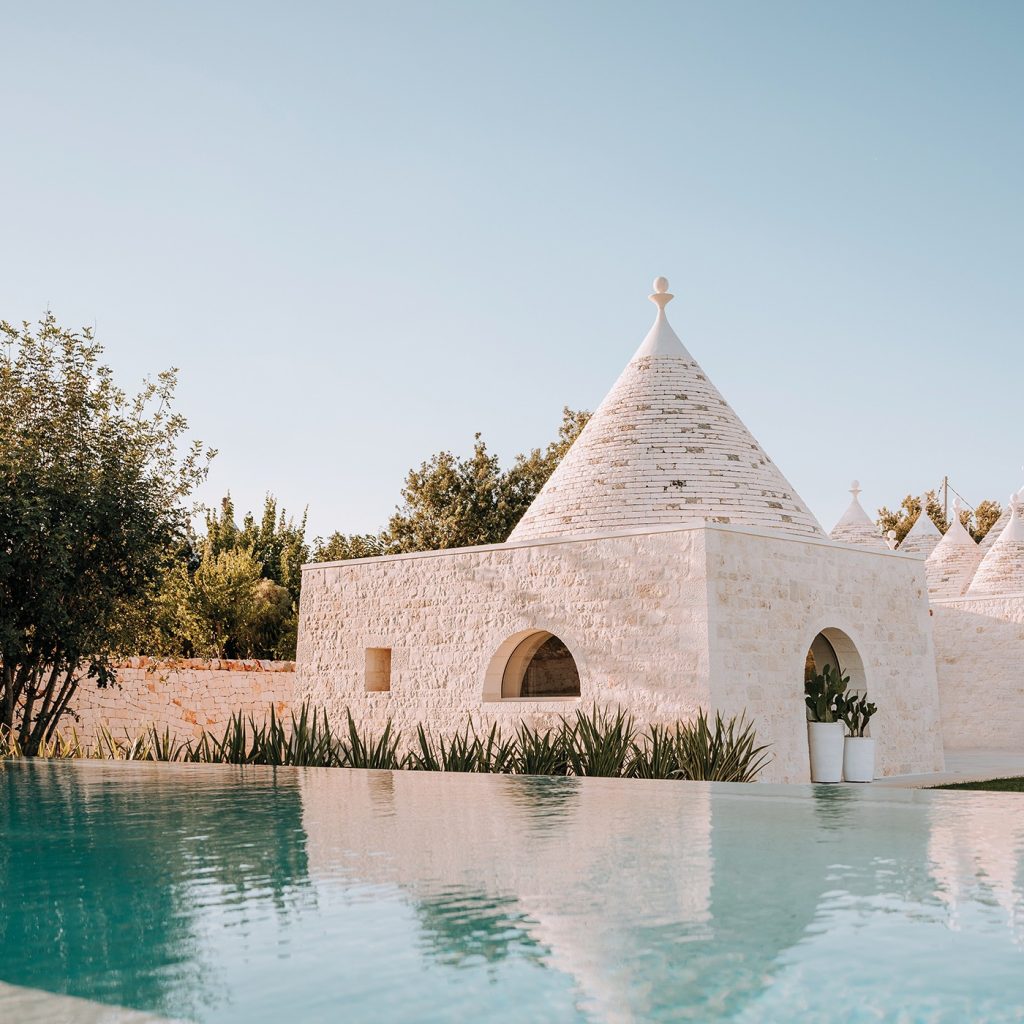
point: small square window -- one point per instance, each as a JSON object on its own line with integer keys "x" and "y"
{"x": 378, "y": 669}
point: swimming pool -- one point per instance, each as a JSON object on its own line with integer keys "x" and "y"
{"x": 217, "y": 893}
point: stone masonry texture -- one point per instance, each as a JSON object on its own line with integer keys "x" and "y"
{"x": 659, "y": 622}
{"x": 979, "y": 647}
{"x": 664, "y": 447}
{"x": 183, "y": 697}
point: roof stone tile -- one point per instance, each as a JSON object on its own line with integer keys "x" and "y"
{"x": 664, "y": 447}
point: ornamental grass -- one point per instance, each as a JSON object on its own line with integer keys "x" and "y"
{"x": 594, "y": 743}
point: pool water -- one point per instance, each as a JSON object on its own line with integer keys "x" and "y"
{"x": 217, "y": 893}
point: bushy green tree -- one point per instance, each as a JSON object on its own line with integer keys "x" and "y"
{"x": 452, "y": 501}
{"x": 978, "y": 522}
{"x": 986, "y": 515}
{"x": 93, "y": 495}
{"x": 235, "y": 592}
{"x": 340, "y": 547}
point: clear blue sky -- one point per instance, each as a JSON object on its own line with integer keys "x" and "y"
{"x": 365, "y": 231}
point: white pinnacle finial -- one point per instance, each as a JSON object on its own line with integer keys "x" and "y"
{"x": 855, "y": 489}
{"x": 661, "y": 296}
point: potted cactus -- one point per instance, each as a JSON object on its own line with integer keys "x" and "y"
{"x": 824, "y": 693}
{"x": 858, "y": 749}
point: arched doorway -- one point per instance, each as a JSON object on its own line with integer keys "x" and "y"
{"x": 819, "y": 654}
{"x": 834, "y": 647}
{"x": 540, "y": 666}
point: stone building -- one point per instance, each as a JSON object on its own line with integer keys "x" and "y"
{"x": 666, "y": 566}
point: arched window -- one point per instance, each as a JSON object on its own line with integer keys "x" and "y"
{"x": 540, "y": 666}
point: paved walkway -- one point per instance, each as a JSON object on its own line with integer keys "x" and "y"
{"x": 964, "y": 766}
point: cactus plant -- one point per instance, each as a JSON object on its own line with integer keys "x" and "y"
{"x": 825, "y": 695}
{"x": 857, "y": 712}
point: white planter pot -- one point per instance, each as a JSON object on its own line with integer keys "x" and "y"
{"x": 825, "y": 742}
{"x": 859, "y": 759}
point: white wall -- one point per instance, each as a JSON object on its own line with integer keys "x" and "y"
{"x": 979, "y": 644}
{"x": 771, "y": 596}
{"x": 632, "y": 610}
{"x": 646, "y": 630}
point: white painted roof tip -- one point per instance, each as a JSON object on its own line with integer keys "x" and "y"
{"x": 855, "y": 525}
{"x": 1002, "y": 569}
{"x": 661, "y": 296}
{"x": 664, "y": 448}
{"x": 1000, "y": 524}
{"x": 661, "y": 340}
{"x": 951, "y": 567}
{"x": 1014, "y": 531}
{"x": 923, "y": 525}
{"x": 957, "y": 534}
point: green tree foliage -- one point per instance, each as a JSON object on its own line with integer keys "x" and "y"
{"x": 93, "y": 492}
{"x": 340, "y": 547}
{"x": 985, "y": 517}
{"x": 451, "y": 501}
{"x": 235, "y": 592}
{"x": 978, "y": 522}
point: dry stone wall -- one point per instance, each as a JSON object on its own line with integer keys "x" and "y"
{"x": 979, "y": 647}
{"x": 770, "y": 597}
{"x": 184, "y": 696}
{"x": 632, "y": 611}
{"x": 646, "y": 628}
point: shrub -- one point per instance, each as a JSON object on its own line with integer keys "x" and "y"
{"x": 727, "y": 753}
{"x": 599, "y": 743}
{"x": 595, "y": 743}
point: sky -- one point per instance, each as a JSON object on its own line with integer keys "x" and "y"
{"x": 364, "y": 232}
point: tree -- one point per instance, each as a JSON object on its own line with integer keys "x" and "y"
{"x": 235, "y": 592}
{"x": 93, "y": 492}
{"x": 978, "y": 522}
{"x": 340, "y": 547}
{"x": 453, "y": 502}
{"x": 986, "y": 515}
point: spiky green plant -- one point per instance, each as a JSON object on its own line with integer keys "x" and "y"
{"x": 166, "y": 747}
{"x": 424, "y": 757}
{"x": 359, "y": 751}
{"x": 655, "y": 755}
{"x": 539, "y": 752}
{"x": 726, "y": 753}
{"x": 497, "y": 754}
{"x": 599, "y": 743}
{"x": 460, "y": 753}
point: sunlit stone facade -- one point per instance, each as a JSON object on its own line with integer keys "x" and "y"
{"x": 677, "y": 566}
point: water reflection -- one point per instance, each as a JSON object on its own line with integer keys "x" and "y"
{"x": 106, "y": 870}
{"x": 681, "y": 902}
{"x": 220, "y": 894}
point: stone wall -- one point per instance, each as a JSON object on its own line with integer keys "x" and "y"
{"x": 184, "y": 696}
{"x": 979, "y": 647}
{"x": 647, "y": 630}
{"x": 771, "y": 596}
{"x": 451, "y": 619}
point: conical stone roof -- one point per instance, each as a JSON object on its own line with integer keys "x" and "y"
{"x": 1002, "y": 569}
{"x": 664, "y": 448}
{"x": 855, "y": 527}
{"x": 999, "y": 525}
{"x": 924, "y": 535}
{"x": 951, "y": 566}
